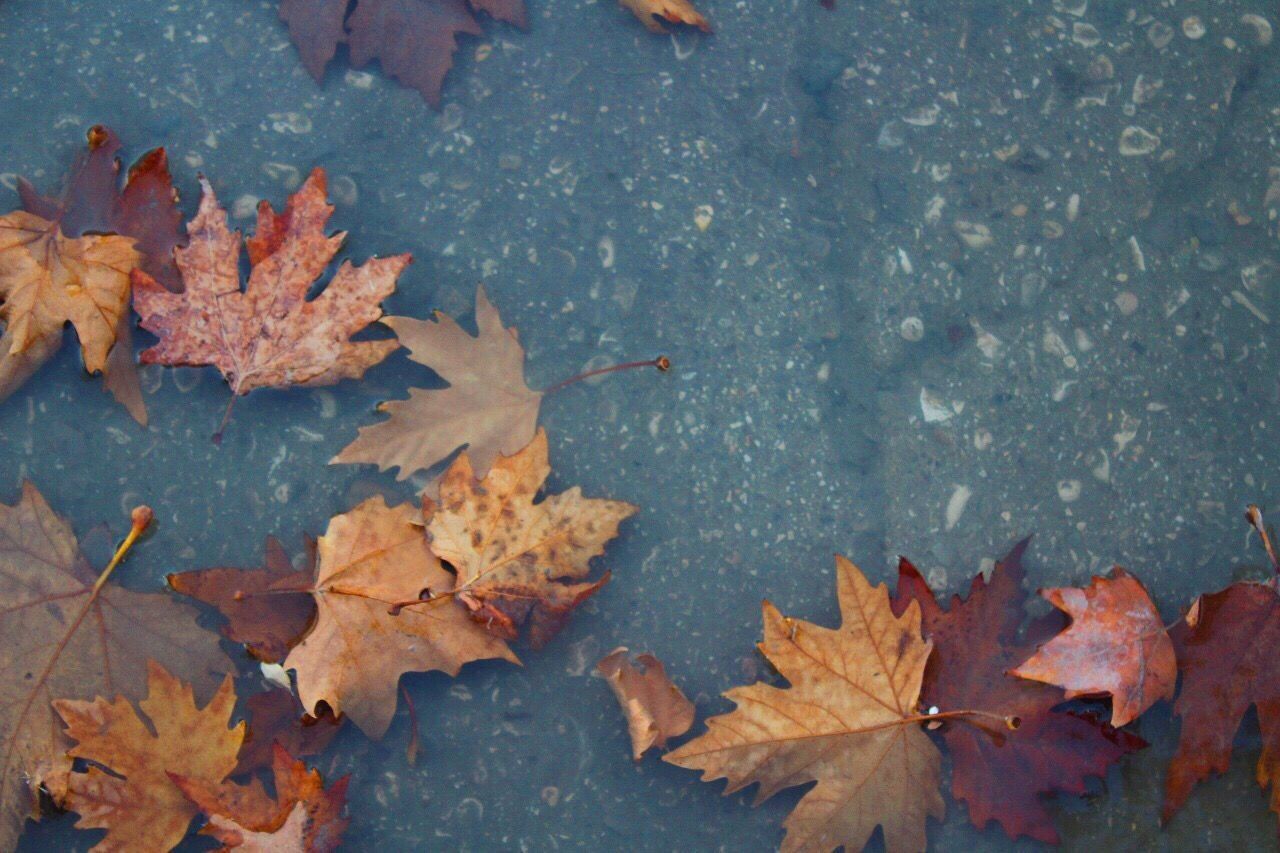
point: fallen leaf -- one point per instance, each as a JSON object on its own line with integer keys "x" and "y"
{"x": 303, "y": 816}
{"x": 848, "y": 722}
{"x": 487, "y": 406}
{"x": 652, "y": 13}
{"x": 269, "y": 335}
{"x": 145, "y": 208}
{"x": 267, "y": 609}
{"x": 655, "y": 708}
{"x": 137, "y": 803}
{"x": 371, "y": 558}
{"x": 1229, "y": 660}
{"x": 517, "y": 561}
{"x": 413, "y": 40}
{"x": 70, "y": 639}
{"x": 277, "y": 718}
{"x": 976, "y": 642}
{"x": 1116, "y": 644}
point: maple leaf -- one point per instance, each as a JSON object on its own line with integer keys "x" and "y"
{"x": 70, "y": 634}
{"x": 487, "y": 406}
{"x": 848, "y": 722}
{"x": 655, "y": 708}
{"x": 652, "y": 13}
{"x": 137, "y": 803}
{"x": 303, "y": 816}
{"x": 1116, "y": 644}
{"x": 976, "y": 642}
{"x": 277, "y": 718}
{"x": 369, "y": 559}
{"x": 264, "y": 608}
{"x": 516, "y": 560}
{"x": 269, "y": 335}
{"x": 414, "y": 40}
{"x": 145, "y": 208}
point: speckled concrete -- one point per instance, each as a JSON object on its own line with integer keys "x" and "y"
{"x": 899, "y": 333}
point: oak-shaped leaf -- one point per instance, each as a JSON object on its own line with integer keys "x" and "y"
{"x": 1229, "y": 660}
{"x": 976, "y": 642}
{"x": 136, "y": 802}
{"x": 1115, "y": 645}
{"x": 848, "y": 722}
{"x": 655, "y": 13}
{"x": 516, "y": 561}
{"x": 270, "y": 334}
{"x": 413, "y": 40}
{"x": 145, "y": 208}
{"x": 67, "y": 637}
{"x": 277, "y": 718}
{"x": 487, "y": 406}
{"x": 302, "y": 817}
{"x": 267, "y": 609}
{"x": 372, "y": 558}
{"x": 656, "y": 710}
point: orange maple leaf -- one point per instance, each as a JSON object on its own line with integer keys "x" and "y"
{"x": 652, "y": 13}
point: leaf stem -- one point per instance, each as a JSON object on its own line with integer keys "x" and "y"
{"x": 661, "y": 362}
{"x": 141, "y": 518}
{"x": 226, "y": 418}
{"x": 1253, "y": 515}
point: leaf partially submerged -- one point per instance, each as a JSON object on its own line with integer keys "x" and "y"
{"x": 655, "y": 708}
{"x": 487, "y": 406}
{"x": 653, "y": 13}
{"x": 71, "y": 639}
{"x": 848, "y": 722}
{"x": 277, "y": 718}
{"x": 270, "y": 334}
{"x": 976, "y": 642}
{"x": 1115, "y": 645}
{"x": 370, "y": 558}
{"x": 517, "y": 561}
{"x": 137, "y": 803}
{"x": 414, "y": 40}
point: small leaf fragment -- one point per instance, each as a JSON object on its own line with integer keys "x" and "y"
{"x": 655, "y": 708}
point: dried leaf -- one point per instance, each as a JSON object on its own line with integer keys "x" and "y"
{"x": 517, "y": 561}
{"x": 487, "y": 406}
{"x": 269, "y": 335}
{"x": 413, "y": 40}
{"x": 303, "y": 817}
{"x": 652, "y": 13}
{"x": 263, "y": 607}
{"x": 848, "y": 722}
{"x": 371, "y": 558}
{"x": 69, "y": 640}
{"x": 1001, "y": 775}
{"x": 139, "y": 806}
{"x": 655, "y": 708}
{"x": 1229, "y": 660}
{"x": 1116, "y": 644}
{"x": 277, "y": 718}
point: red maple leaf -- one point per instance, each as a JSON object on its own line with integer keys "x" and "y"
{"x": 414, "y": 40}
{"x": 276, "y": 717}
{"x": 1001, "y": 774}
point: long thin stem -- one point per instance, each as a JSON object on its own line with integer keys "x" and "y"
{"x": 1254, "y": 516}
{"x": 141, "y": 518}
{"x": 226, "y": 418}
{"x": 661, "y": 362}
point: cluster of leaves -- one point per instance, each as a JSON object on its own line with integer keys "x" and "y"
{"x": 414, "y": 40}
{"x": 863, "y": 696}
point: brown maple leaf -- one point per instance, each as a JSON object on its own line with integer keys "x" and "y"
{"x": 652, "y": 13}
{"x": 302, "y": 818}
{"x": 414, "y": 40}
{"x": 848, "y": 722}
{"x": 655, "y": 708}
{"x": 269, "y": 335}
{"x": 71, "y": 635}
{"x": 487, "y": 406}
{"x": 517, "y": 561}
{"x": 264, "y": 608}
{"x": 137, "y": 803}
{"x": 1116, "y": 644}
{"x": 145, "y": 208}
{"x": 1228, "y": 651}
{"x": 1001, "y": 775}
{"x": 277, "y": 718}
{"x": 369, "y": 559}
